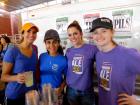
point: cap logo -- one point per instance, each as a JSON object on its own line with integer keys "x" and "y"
{"x": 105, "y": 20}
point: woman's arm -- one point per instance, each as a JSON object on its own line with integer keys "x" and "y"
{"x": 60, "y": 88}
{"x": 7, "y": 75}
{"x": 125, "y": 99}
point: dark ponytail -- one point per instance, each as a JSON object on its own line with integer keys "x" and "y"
{"x": 60, "y": 50}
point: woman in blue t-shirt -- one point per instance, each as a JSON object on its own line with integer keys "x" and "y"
{"x": 19, "y": 61}
{"x": 116, "y": 66}
{"x": 53, "y": 64}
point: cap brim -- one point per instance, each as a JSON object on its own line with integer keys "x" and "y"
{"x": 91, "y": 30}
{"x": 52, "y": 38}
{"x": 26, "y": 28}
{"x": 34, "y": 27}
{"x": 100, "y": 27}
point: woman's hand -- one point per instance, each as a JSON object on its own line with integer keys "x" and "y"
{"x": 60, "y": 88}
{"x": 125, "y": 99}
{"x": 20, "y": 78}
{"x": 58, "y": 91}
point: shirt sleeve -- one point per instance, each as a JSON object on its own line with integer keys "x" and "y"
{"x": 133, "y": 61}
{"x": 67, "y": 52}
{"x": 10, "y": 55}
{"x": 94, "y": 52}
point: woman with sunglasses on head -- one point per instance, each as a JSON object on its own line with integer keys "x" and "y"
{"x": 18, "y": 60}
{"x": 116, "y": 66}
{"x": 81, "y": 57}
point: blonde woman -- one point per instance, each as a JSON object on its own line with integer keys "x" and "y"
{"x": 18, "y": 60}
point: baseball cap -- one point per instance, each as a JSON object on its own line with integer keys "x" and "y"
{"x": 102, "y": 22}
{"x": 28, "y": 26}
{"x": 51, "y": 34}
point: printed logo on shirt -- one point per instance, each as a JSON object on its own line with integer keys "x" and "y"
{"x": 105, "y": 76}
{"x": 77, "y": 64}
{"x": 54, "y": 67}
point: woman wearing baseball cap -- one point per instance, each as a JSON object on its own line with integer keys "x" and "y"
{"x": 18, "y": 60}
{"x": 116, "y": 66}
{"x": 81, "y": 57}
{"x": 53, "y": 64}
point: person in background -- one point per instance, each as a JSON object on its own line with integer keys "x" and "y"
{"x": 4, "y": 45}
{"x": 53, "y": 64}
{"x": 2, "y": 84}
{"x": 116, "y": 66}
{"x": 81, "y": 57}
{"x": 1, "y": 47}
{"x": 5, "y": 41}
{"x": 18, "y": 61}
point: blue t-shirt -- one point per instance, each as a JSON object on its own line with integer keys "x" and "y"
{"x": 80, "y": 67}
{"x": 52, "y": 69}
{"x": 21, "y": 63}
{"x": 116, "y": 72}
{"x": 4, "y": 50}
